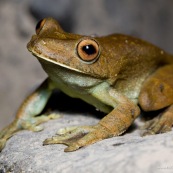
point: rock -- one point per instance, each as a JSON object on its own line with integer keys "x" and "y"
{"x": 24, "y": 152}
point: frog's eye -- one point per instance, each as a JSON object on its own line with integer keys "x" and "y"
{"x": 88, "y": 50}
{"x": 39, "y": 26}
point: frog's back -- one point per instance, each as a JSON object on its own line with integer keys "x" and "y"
{"x": 131, "y": 61}
{"x": 144, "y": 48}
{"x": 132, "y": 54}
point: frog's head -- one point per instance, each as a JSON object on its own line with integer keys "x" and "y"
{"x": 82, "y": 54}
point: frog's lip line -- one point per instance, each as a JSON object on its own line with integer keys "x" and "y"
{"x": 55, "y": 62}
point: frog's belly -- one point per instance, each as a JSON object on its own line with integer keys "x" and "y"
{"x": 74, "y": 84}
{"x": 131, "y": 88}
{"x": 83, "y": 95}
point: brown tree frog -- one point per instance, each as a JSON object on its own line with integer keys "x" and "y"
{"x": 116, "y": 73}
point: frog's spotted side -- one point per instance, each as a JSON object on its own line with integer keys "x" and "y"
{"x": 114, "y": 73}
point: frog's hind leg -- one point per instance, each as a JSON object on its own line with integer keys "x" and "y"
{"x": 161, "y": 124}
{"x": 156, "y": 94}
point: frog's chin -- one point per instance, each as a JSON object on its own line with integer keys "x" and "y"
{"x": 65, "y": 77}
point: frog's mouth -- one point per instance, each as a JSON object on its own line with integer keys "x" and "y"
{"x": 54, "y": 61}
{"x": 39, "y": 55}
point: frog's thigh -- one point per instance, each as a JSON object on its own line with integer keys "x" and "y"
{"x": 157, "y": 91}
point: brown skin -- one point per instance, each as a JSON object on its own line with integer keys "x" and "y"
{"x": 114, "y": 73}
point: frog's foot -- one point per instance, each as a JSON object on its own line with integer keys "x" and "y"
{"x": 77, "y": 137}
{"x": 31, "y": 123}
{"x": 161, "y": 124}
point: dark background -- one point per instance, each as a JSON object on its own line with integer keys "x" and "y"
{"x": 20, "y": 72}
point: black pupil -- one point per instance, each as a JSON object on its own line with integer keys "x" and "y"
{"x": 89, "y": 49}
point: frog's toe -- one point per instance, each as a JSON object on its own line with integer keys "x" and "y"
{"x": 70, "y": 137}
{"x": 2, "y": 144}
{"x": 53, "y": 140}
{"x": 53, "y": 116}
{"x": 150, "y": 124}
{"x": 72, "y": 145}
{"x": 150, "y": 127}
{"x": 35, "y": 128}
{"x": 66, "y": 130}
{"x": 166, "y": 129}
{"x": 160, "y": 124}
{"x": 77, "y": 137}
{"x": 157, "y": 130}
{"x": 42, "y": 118}
{"x": 75, "y": 130}
{"x": 32, "y": 123}
{"x": 8, "y": 132}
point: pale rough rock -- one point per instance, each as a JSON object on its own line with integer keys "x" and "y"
{"x": 128, "y": 153}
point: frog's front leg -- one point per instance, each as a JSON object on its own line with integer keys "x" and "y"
{"x": 113, "y": 124}
{"x": 26, "y": 117}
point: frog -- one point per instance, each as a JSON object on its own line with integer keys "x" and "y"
{"x": 118, "y": 74}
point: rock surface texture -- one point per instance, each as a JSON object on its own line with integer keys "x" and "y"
{"x": 128, "y": 153}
